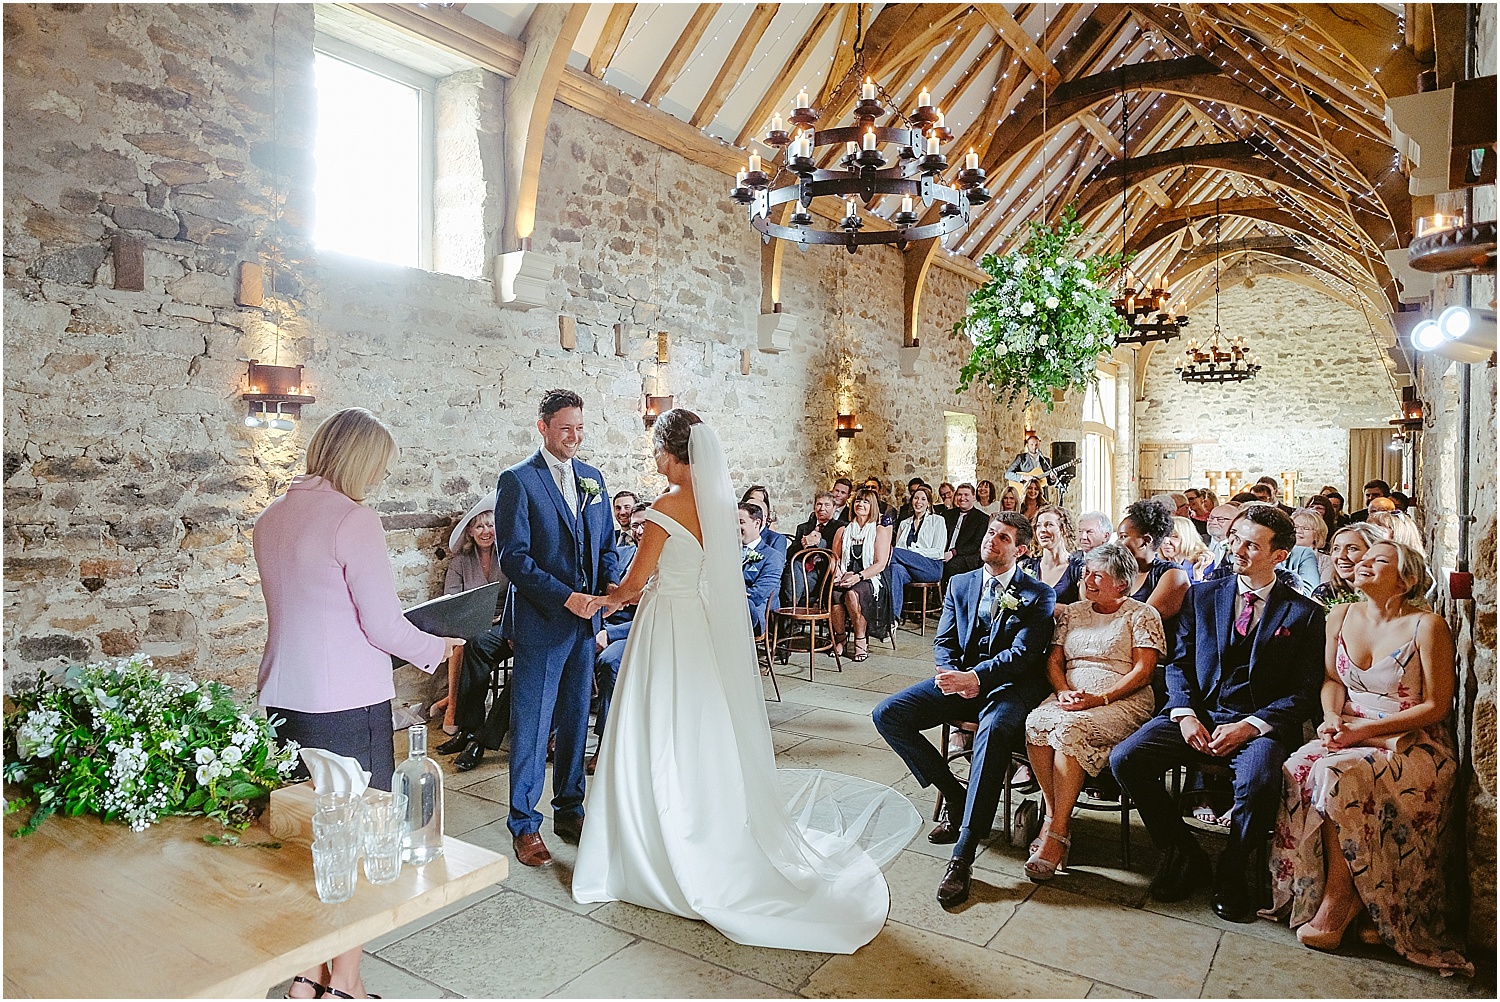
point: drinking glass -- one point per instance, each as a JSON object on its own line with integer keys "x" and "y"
{"x": 335, "y": 868}
{"x": 385, "y": 824}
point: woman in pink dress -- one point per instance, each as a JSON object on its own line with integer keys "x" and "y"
{"x": 1364, "y": 826}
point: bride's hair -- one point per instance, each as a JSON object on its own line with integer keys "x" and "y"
{"x": 672, "y": 430}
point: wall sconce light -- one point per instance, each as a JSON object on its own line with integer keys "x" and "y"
{"x": 275, "y": 397}
{"x": 655, "y": 408}
{"x": 847, "y": 426}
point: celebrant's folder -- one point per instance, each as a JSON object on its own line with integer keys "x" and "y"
{"x": 467, "y": 614}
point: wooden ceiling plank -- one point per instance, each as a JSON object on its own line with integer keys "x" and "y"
{"x": 609, "y": 38}
{"x": 1017, "y": 38}
{"x": 794, "y": 66}
{"x": 1091, "y": 121}
{"x": 843, "y": 52}
{"x": 681, "y": 51}
{"x": 734, "y": 64}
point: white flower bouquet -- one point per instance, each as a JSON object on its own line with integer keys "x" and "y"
{"x": 122, "y": 740}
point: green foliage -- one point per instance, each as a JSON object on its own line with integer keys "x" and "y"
{"x": 121, "y": 740}
{"x": 1044, "y": 318}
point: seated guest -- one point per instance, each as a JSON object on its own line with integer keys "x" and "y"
{"x": 911, "y": 485}
{"x": 1103, "y": 654}
{"x": 1200, "y": 501}
{"x": 1187, "y": 550}
{"x": 1009, "y": 499}
{"x": 1159, "y": 583}
{"x": 1031, "y": 501}
{"x": 1347, "y": 549}
{"x": 1094, "y": 528}
{"x": 991, "y": 655}
{"x": 1336, "y": 501}
{"x": 1319, "y": 504}
{"x": 1052, "y": 559}
{"x": 843, "y": 487}
{"x": 1307, "y": 559}
{"x": 984, "y": 497}
{"x": 625, "y": 504}
{"x": 1403, "y": 503}
{"x": 1274, "y": 487}
{"x": 918, "y": 551}
{"x": 1380, "y": 504}
{"x": 945, "y": 498}
{"x": 966, "y": 528}
{"x": 626, "y": 554}
{"x": 1404, "y": 530}
{"x": 1262, "y": 492}
{"x": 1246, "y": 497}
{"x": 1374, "y": 489}
{"x": 861, "y": 552}
{"x": 816, "y": 533}
{"x": 1218, "y": 527}
{"x": 1243, "y": 678}
{"x": 1366, "y": 820}
{"x": 762, "y": 564}
{"x": 1174, "y": 502}
{"x": 759, "y": 495}
{"x": 474, "y": 564}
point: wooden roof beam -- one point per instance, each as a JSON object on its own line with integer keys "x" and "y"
{"x": 681, "y": 51}
{"x": 734, "y": 64}
{"x": 610, "y": 37}
{"x": 795, "y": 65}
{"x": 1016, "y": 37}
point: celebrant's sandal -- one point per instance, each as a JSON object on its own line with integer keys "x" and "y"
{"x": 318, "y": 989}
{"x": 345, "y": 995}
{"x": 861, "y": 648}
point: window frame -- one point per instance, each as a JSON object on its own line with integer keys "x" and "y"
{"x": 426, "y": 88}
{"x": 1108, "y": 439}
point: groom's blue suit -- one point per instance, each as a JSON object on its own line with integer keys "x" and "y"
{"x": 548, "y": 552}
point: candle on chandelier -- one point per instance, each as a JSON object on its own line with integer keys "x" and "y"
{"x": 777, "y": 125}
{"x": 807, "y": 143}
{"x": 906, "y": 204}
{"x": 868, "y": 91}
{"x": 802, "y": 101}
{"x": 869, "y": 139}
{"x": 739, "y": 179}
{"x": 939, "y": 123}
{"x": 924, "y": 99}
{"x": 932, "y": 146}
{"x": 849, "y": 148}
{"x": 849, "y": 210}
{"x": 971, "y": 160}
{"x": 754, "y": 163}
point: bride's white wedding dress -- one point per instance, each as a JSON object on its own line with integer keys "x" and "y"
{"x": 687, "y": 812}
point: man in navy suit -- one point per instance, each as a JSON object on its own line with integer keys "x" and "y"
{"x": 554, "y": 528}
{"x": 1244, "y": 676}
{"x": 991, "y": 656}
{"x": 762, "y": 564}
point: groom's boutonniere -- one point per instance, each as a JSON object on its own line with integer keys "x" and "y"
{"x": 754, "y": 557}
{"x": 1009, "y": 600}
{"x": 590, "y": 486}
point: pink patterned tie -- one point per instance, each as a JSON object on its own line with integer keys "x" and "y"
{"x": 1242, "y": 624}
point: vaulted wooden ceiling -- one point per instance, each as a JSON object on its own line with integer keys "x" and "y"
{"x": 1271, "y": 114}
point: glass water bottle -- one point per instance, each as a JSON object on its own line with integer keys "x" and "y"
{"x": 421, "y": 780}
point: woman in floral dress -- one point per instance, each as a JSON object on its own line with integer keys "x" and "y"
{"x": 1364, "y": 827}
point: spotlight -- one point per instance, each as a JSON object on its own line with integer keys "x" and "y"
{"x": 281, "y": 422}
{"x": 1454, "y": 322}
{"x": 1426, "y": 336}
{"x": 253, "y": 421}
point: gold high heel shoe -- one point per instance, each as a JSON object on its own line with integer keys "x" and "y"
{"x": 1040, "y": 870}
{"x": 1331, "y": 940}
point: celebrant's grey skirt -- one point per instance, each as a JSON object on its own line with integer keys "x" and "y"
{"x": 363, "y": 734}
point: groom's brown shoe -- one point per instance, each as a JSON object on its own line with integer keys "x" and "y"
{"x": 568, "y": 829}
{"x": 953, "y": 890}
{"x": 531, "y": 850}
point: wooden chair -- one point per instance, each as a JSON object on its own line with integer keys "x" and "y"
{"x": 763, "y": 650}
{"x": 928, "y": 589}
{"x": 812, "y": 577}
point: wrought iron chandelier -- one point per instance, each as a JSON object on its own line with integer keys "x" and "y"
{"x": 862, "y": 173}
{"x": 1143, "y": 310}
{"x": 1220, "y": 360}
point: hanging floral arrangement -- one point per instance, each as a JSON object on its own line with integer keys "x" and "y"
{"x": 1044, "y": 318}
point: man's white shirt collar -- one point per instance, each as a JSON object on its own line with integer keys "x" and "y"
{"x": 565, "y": 465}
{"x": 1242, "y": 586}
{"x": 1005, "y": 579}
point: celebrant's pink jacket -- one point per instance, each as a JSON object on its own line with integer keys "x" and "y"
{"x": 333, "y": 619}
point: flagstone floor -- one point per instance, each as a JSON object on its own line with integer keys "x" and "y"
{"x": 1091, "y": 932}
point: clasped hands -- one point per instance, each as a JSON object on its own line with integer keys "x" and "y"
{"x": 1077, "y": 699}
{"x": 586, "y": 606}
{"x": 1224, "y": 740}
{"x": 1339, "y": 733}
{"x": 957, "y": 683}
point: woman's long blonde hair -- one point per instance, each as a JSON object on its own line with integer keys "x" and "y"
{"x": 350, "y": 450}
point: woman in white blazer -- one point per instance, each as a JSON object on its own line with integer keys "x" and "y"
{"x": 917, "y": 554}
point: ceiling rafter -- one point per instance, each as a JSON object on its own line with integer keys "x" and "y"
{"x": 734, "y": 64}
{"x": 681, "y": 51}
{"x": 795, "y": 64}
{"x": 1017, "y": 38}
{"x": 610, "y": 37}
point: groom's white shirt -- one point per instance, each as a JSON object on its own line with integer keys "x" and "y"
{"x": 562, "y": 472}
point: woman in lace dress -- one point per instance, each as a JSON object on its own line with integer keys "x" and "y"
{"x": 1103, "y": 654}
{"x": 1365, "y": 824}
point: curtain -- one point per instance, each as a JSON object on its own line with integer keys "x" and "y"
{"x": 1370, "y": 458}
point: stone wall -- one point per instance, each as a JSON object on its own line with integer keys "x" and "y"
{"x": 1321, "y": 377}
{"x": 131, "y": 483}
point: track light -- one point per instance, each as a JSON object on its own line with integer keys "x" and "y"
{"x": 1459, "y": 333}
{"x": 1455, "y": 322}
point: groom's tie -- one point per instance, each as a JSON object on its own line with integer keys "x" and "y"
{"x": 988, "y": 604}
{"x": 567, "y": 484}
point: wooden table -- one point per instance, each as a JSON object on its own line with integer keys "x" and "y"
{"x": 95, "y": 910}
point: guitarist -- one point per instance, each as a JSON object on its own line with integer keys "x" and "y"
{"x": 1029, "y": 465}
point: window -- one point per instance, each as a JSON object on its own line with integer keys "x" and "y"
{"x": 374, "y": 156}
{"x": 960, "y": 448}
{"x": 1099, "y": 414}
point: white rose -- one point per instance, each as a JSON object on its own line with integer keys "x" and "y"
{"x": 1027, "y": 309}
{"x": 204, "y": 756}
{"x": 1042, "y": 340}
{"x": 204, "y": 774}
{"x": 1018, "y": 265}
{"x": 1000, "y": 348}
{"x": 231, "y": 755}
{"x": 1051, "y": 302}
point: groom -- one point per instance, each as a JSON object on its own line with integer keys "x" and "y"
{"x": 553, "y": 525}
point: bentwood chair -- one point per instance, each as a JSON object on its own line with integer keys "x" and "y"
{"x": 763, "y": 649}
{"x": 927, "y": 590}
{"x": 812, "y": 580}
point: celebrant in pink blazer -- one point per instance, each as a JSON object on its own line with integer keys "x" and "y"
{"x": 334, "y": 621}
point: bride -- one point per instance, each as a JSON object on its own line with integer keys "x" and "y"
{"x": 687, "y": 812}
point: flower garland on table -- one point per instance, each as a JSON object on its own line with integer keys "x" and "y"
{"x": 1044, "y": 318}
{"x": 122, "y": 740}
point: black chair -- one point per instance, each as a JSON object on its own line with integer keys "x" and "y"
{"x": 812, "y": 576}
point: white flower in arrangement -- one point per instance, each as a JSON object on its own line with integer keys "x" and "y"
{"x": 1087, "y": 283}
{"x": 1047, "y": 273}
{"x": 1052, "y": 302}
{"x": 1043, "y": 340}
{"x": 231, "y": 755}
{"x": 1000, "y": 348}
{"x": 1019, "y": 264}
{"x": 205, "y": 776}
{"x": 1062, "y": 262}
{"x": 204, "y": 755}
{"x": 1028, "y": 308}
